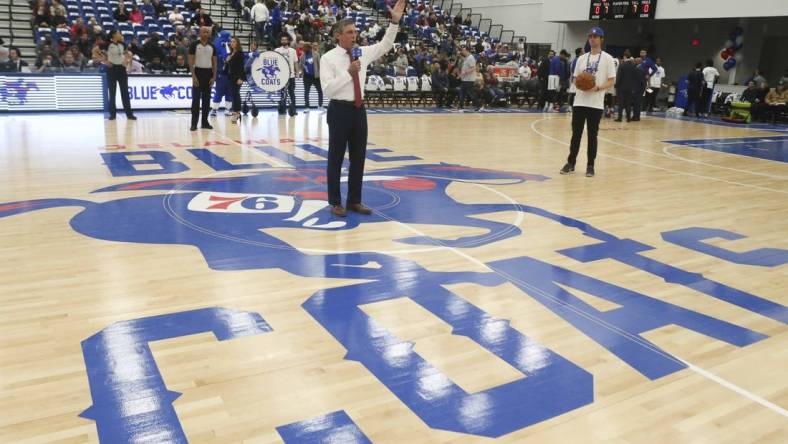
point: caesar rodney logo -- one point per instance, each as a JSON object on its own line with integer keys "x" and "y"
{"x": 270, "y": 71}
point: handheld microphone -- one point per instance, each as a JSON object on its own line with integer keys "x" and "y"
{"x": 355, "y": 53}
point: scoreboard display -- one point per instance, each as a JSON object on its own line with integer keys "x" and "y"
{"x": 622, "y": 9}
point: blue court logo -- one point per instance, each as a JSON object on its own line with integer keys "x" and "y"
{"x": 229, "y": 219}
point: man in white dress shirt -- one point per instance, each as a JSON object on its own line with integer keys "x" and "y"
{"x": 343, "y": 71}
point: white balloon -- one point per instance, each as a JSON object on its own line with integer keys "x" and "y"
{"x": 729, "y": 44}
{"x": 739, "y": 40}
{"x": 738, "y": 57}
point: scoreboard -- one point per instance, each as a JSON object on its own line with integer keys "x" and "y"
{"x": 622, "y": 9}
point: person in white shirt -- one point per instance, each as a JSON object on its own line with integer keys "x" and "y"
{"x": 589, "y": 104}
{"x": 468, "y": 76}
{"x": 710, "y": 76}
{"x": 291, "y": 56}
{"x": 342, "y": 72}
{"x": 655, "y": 83}
{"x": 259, "y": 15}
{"x": 175, "y": 17}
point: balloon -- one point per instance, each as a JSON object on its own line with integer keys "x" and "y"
{"x": 724, "y": 54}
{"x": 729, "y": 64}
{"x": 739, "y": 41}
{"x": 738, "y": 57}
{"x": 729, "y": 43}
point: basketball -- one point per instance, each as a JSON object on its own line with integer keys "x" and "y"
{"x": 585, "y": 81}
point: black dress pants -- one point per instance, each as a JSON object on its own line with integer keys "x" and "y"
{"x": 347, "y": 131}
{"x": 201, "y": 94}
{"x": 116, "y": 75}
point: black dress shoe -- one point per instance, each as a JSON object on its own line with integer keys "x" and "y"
{"x": 194, "y": 128}
{"x": 360, "y": 209}
{"x": 206, "y": 125}
{"x": 337, "y": 210}
{"x": 111, "y": 118}
{"x": 131, "y": 117}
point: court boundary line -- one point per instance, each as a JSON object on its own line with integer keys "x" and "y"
{"x": 670, "y": 170}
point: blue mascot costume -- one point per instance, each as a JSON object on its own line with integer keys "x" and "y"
{"x": 222, "y": 86}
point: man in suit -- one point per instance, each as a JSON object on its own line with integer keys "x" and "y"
{"x": 627, "y": 81}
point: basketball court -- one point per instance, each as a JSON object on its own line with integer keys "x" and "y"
{"x": 159, "y": 285}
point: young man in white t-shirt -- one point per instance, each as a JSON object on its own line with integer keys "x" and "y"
{"x": 292, "y": 60}
{"x": 654, "y": 83}
{"x": 710, "y": 76}
{"x": 589, "y": 104}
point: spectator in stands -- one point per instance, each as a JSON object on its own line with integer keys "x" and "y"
{"x": 57, "y": 7}
{"x": 155, "y": 66}
{"x": 192, "y": 5}
{"x": 94, "y": 27}
{"x": 757, "y": 77}
{"x": 201, "y": 18}
{"x": 69, "y": 64}
{"x": 132, "y": 63}
{"x": 750, "y": 94}
{"x": 275, "y": 21}
{"x": 467, "y": 21}
{"x": 309, "y": 65}
{"x": 159, "y": 9}
{"x": 151, "y": 48}
{"x": 121, "y": 14}
{"x": 48, "y": 64}
{"x": 96, "y": 63}
{"x": 77, "y": 29}
{"x": 259, "y": 16}
{"x": 694, "y": 90}
{"x": 58, "y": 19}
{"x": 290, "y": 29}
{"x": 44, "y": 51}
{"x": 176, "y": 18}
{"x": 5, "y": 61}
{"x": 776, "y": 101}
{"x": 78, "y": 57}
{"x": 41, "y": 15}
{"x": 170, "y": 58}
{"x": 440, "y": 84}
{"x": 180, "y": 67}
{"x": 135, "y": 16}
{"x": 401, "y": 64}
{"x": 147, "y": 9}
{"x": 710, "y": 77}
{"x": 655, "y": 84}
{"x": 15, "y": 58}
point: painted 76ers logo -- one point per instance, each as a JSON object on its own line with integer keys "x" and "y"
{"x": 227, "y": 220}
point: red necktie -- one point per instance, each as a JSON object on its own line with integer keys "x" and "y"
{"x": 356, "y": 84}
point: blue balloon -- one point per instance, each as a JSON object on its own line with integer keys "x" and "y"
{"x": 729, "y": 64}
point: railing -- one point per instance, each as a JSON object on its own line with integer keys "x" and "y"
{"x": 485, "y": 25}
{"x": 495, "y": 31}
{"x": 507, "y": 36}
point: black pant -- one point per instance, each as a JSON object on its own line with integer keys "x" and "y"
{"x": 693, "y": 101}
{"x": 310, "y": 81}
{"x": 235, "y": 89}
{"x": 543, "y": 93}
{"x": 440, "y": 95}
{"x": 468, "y": 89}
{"x": 704, "y": 100}
{"x": 651, "y": 99}
{"x": 581, "y": 115}
{"x": 201, "y": 93}
{"x": 347, "y": 127}
{"x": 117, "y": 75}
{"x": 288, "y": 91}
{"x": 637, "y": 104}
{"x": 625, "y": 99}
